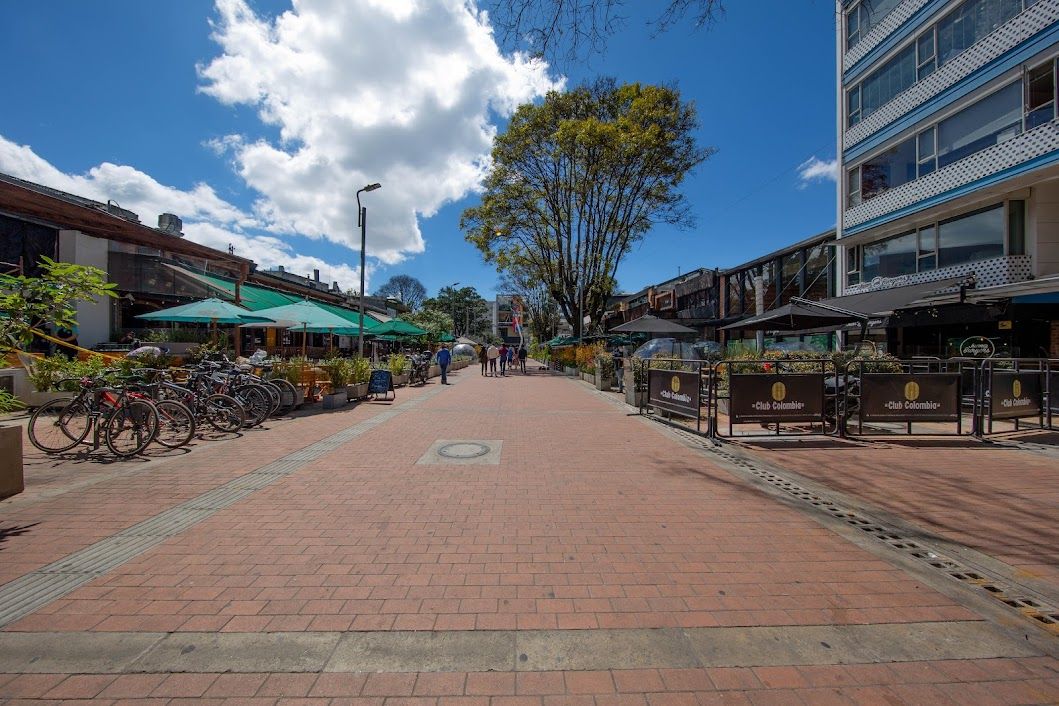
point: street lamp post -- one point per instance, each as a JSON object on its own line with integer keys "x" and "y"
{"x": 452, "y": 305}
{"x": 362, "y": 221}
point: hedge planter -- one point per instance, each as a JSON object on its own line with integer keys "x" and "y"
{"x": 399, "y": 380}
{"x": 634, "y": 397}
{"x": 435, "y": 371}
{"x": 604, "y": 383}
{"x": 357, "y": 391}
{"x": 12, "y": 482}
{"x": 335, "y": 400}
{"x": 299, "y": 396}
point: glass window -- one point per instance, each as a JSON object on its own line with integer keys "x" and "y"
{"x": 888, "y": 80}
{"x": 890, "y": 169}
{"x": 852, "y": 27}
{"x": 928, "y": 249}
{"x": 853, "y": 106}
{"x": 926, "y": 56}
{"x": 816, "y": 272}
{"x": 852, "y": 265}
{"x": 970, "y": 22}
{"x": 791, "y": 270}
{"x": 927, "y": 152}
{"x": 735, "y": 295}
{"x": 890, "y": 258}
{"x": 1016, "y": 228}
{"x": 1040, "y": 95}
{"x": 988, "y": 122}
{"x": 970, "y": 238}
{"x": 853, "y": 187}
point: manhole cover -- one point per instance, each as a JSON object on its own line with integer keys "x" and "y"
{"x": 463, "y": 449}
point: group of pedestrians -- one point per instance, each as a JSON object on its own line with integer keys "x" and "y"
{"x": 489, "y": 355}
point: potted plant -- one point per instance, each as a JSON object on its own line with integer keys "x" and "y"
{"x": 12, "y": 480}
{"x": 604, "y": 372}
{"x": 290, "y": 371}
{"x": 399, "y": 369}
{"x": 337, "y": 370}
{"x": 360, "y": 372}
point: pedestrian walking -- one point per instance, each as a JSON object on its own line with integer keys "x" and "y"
{"x": 444, "y": 358}
{"x": 511, "y": 358}
{"x": 483, "y": 358}
{"x": 522, "y": 354}
{"x": 491, "y": 353}
{"x": 619, "y": 368}
{"x": 503, "y": 359}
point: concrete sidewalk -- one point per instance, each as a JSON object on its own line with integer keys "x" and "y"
{"x": 511, "y": 540}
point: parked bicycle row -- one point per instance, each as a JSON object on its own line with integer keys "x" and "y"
{"x": 129, "y": 411}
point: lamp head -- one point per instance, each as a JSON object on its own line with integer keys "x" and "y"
{"x": 372, "y": 187}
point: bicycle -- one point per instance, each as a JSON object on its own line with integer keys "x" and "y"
{"x": 127, "y": 424}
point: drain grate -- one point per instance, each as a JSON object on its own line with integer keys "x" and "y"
{"x": 36, "y": 589}
{"x": 1009, "y": 594}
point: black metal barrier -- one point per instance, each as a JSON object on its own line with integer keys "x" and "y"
{"x": 922, "y": 396}
{"x": 799, "y": 397}
{"x": 1016, "y": 389}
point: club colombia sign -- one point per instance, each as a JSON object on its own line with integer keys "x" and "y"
{"x": 796, "y": 397}
{"x": 900, "y": 397}
{"x": 1013, "y": 395}
{"x": 674, "y": 391}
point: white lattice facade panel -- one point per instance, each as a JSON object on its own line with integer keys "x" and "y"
{"x": 890, "y": 24}
{"x": 1002, "y": 40}
{"x": 1040, "y": 141}
{"x": 987, "y": 273}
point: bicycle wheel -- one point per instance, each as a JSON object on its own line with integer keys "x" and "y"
{"x": 286, "y": 398}
{"x": 176, "y": 424}
{"x": 273, "y": 396}
{"x": 256, "y": 402}
{"x": 288, "y": 394}
{"x": 59, "y": 425}
{"x": 224, "y": 413}
{"x": 131, "y": 427}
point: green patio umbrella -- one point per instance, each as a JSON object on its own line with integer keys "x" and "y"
{"x": 208, "y": 311}
{"x": 395, "y": 327}
{"x": 446, "y": 338}
{"x": 308, "y": 317}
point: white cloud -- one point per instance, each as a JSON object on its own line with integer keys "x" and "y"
{"x": 814, "y": 169}
{"x": 396, "y": 92}
{"x": 208, "y": 219}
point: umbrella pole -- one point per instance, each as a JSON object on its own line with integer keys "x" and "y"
{"x": 304, "y": 335}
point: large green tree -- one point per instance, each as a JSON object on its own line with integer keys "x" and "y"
{"x": 406, "y": 288}
{"x": 469, "y": 311}
{"x": 578, "y": 179}
{"x": 434, "y": 321}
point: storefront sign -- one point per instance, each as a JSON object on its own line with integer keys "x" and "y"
{"x": 1013, "y": 395}
{"x": 797, "y": 397}
{"x": 674, "y": 391}
{"x": 380, "y": 382}
{"x": 977, "y": 347}
{"x": 899, "y": 397}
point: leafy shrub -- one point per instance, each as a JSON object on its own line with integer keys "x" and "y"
{"x": 47, "y": 372}
{"x": 360, "y": 370}
{"x": 398, "y": 364}
{"x": 585, "y": 356}
{"x": 9, "y": 403}
{"x": 338, "y": 371}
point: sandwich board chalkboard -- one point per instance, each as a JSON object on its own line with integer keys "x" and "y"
{"x": 381, "y": 383}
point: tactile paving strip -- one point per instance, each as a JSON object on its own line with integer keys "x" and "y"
{"x": 36, "y": 589}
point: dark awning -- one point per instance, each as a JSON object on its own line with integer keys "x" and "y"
{"x": 835, "y": 312}
{"x": 652, "y": 324}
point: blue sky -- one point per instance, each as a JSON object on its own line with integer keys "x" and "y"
{"x": 147, "y": 103}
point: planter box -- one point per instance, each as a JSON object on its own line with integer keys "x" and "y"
{"x": 357, "y": 391}
{"x": 335, "y": 400}
{"x": 23, "y": 389}
{"x": 572, "y": 372}
{"x": 399, "y": 380}
{"x": 12, "y": 482}
{"x": 435, "y": 371}
{"x": 723, "y": 405}
{"x": 604, "y": 383}
{"x": 299, "y": 396}
{"x": 634, "y": 397}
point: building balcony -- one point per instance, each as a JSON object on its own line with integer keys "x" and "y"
{"x": 983, "y": 54}
{"x": 993, "y": 272}
{"x": 878, "y": 34}
{"x": 1021, "y": 153}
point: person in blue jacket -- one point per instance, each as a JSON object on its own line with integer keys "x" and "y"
{"x": 444, "y": 358}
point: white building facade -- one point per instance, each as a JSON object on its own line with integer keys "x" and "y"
{"x": 949, "y": 166}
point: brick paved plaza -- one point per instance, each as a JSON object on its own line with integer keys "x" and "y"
{"x": 587, "y": 556}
